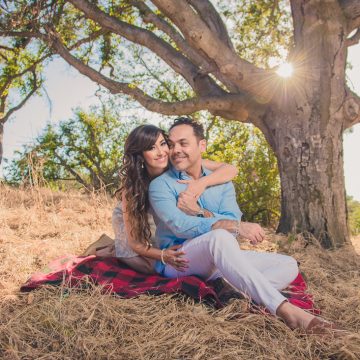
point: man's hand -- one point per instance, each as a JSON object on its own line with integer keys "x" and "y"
{"x": 247, "y": 230}
{"x": 188, "y": 204}
{"x": 251, "y": 231}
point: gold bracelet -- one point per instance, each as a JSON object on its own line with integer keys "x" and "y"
{"x": 162, "y": 256}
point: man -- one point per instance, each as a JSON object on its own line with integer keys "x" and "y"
{"x": 210, "y": 248}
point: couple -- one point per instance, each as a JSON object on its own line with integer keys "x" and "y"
{"x": 197, "y": 219}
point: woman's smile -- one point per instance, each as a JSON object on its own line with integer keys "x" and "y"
{"x": 162, "y": 159}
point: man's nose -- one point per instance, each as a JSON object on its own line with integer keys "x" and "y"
{"x": 175, "y": 148}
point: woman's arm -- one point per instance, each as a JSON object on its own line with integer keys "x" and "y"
{"x": 221, "y": 173}
{"x": 170, "y": 256}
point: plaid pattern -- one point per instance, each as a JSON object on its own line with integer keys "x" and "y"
{"x": 118, "y": 278}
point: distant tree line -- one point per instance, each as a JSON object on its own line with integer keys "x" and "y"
{"x": 353, "y": 215}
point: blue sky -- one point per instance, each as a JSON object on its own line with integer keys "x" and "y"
{"x": 67, "y": 89}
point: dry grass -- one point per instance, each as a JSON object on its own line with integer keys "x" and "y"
{"x": 57, "y": 323}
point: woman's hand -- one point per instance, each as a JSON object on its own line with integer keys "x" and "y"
{"x": 194, "y": 187}
{"x": 187, "y": 203}
{"x": 175, "y": 258}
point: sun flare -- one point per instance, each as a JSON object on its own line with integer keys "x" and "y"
{"x": 285, "y": 70}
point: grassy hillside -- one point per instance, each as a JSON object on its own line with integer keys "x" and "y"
{"x": 38, "y": 225}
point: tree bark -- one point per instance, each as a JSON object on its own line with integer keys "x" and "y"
{"x": 1, "y": 141}
{"x": 305, "y": 129}
{"x": 312, "y": 178}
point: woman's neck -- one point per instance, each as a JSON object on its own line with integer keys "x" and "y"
{"x": 153, "y": 173}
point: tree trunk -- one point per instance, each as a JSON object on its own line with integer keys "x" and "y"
{"x": 1, "y": 141}
{"x": 312, "y": 181}
{"x": 304, "y": 126}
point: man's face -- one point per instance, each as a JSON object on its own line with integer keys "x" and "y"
{"x": 185, "y": 149}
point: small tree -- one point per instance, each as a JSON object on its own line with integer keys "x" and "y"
{"x": 257, "y": 184}
{"x": 86, "y": 149}
{"x": 354, "y": 215}
{"x": 20, "y": 78}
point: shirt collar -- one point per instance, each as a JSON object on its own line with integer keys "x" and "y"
{"x": 182, "y": 175}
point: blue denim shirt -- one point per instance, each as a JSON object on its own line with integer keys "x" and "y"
{"x": 173, "y": 226}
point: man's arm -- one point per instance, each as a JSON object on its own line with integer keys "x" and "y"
{"x": 163, "y": 201}
{"x": 229, "y": 208}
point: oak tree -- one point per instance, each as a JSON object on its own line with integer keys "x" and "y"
{"x": 302, "y": 119}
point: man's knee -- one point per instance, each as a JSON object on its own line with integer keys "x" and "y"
{"x": 221, "y": 238}
{"x": 221, "y": 234}
{"x": 293, "y": 265}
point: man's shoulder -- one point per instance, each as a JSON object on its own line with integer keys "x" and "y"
{"x": 167, "y": 177}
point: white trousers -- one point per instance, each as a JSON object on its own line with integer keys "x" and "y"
{"x": 260, "y": 275}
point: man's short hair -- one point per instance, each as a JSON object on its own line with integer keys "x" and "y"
{"x": 197, "y": 128}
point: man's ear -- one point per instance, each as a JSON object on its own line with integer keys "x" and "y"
{"x": 202, "y": 144}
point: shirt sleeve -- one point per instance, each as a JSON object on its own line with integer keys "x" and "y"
{"x": 228, "y": 208}
{"x": 163, "y": 202}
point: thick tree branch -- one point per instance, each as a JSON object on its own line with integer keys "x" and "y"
{"x": 143, "y": 37}
{"x": 26, "y": 34}
{"x": 213, "y": 20}
{"x": 150, "y": 17}
{"x": 351, "y": 109}
{"x": 246, "y": 76}
{"x": 353, "y": 40}
{"x": 298, "y": 20}
{"x": 351, "y": 10}
{"x": 186, "y": 107}
{"x": 199, "y": 58}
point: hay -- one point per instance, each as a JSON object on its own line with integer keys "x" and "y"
{"x": 61, "y": 323}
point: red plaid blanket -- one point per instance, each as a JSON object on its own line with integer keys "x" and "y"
{"x": 118, "y": 278}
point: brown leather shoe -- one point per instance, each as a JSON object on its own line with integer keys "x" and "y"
{"x": 225, "y": 291}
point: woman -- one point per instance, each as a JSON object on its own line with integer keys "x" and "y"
{"x": 146, "y": 157}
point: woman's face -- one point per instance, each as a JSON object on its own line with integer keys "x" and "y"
{"x": 156, "y": 159}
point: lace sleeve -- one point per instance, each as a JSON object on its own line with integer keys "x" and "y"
{"x": 122, "y": 248}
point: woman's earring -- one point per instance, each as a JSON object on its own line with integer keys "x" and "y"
{"x": 142, "y": 165}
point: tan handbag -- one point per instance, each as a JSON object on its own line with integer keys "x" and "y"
{"x": 104, "y": 246}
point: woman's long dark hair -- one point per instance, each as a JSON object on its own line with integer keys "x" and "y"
{"x": 135, "y": 180}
